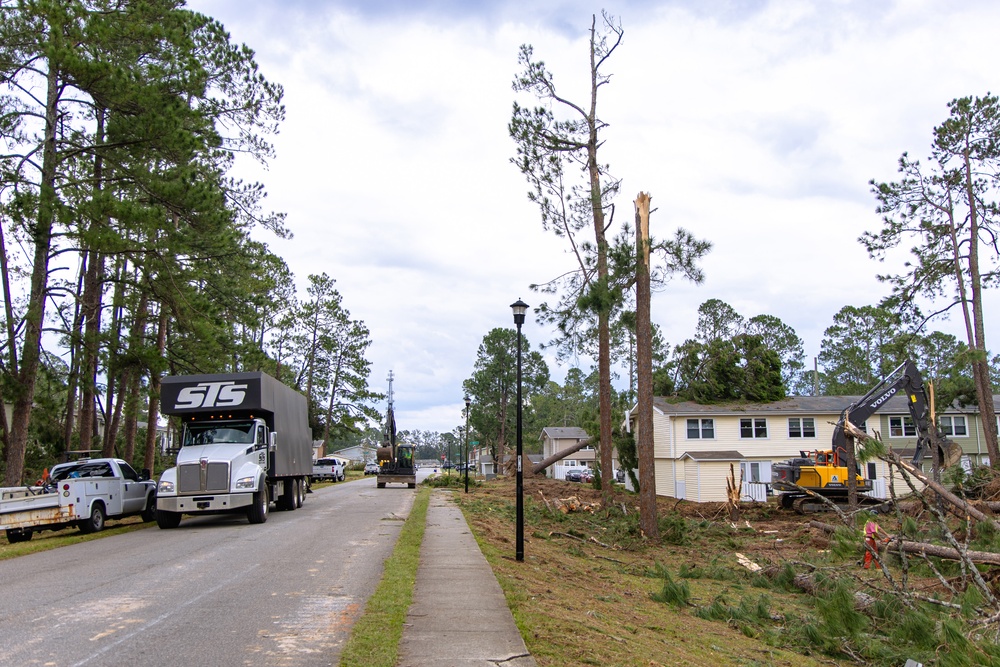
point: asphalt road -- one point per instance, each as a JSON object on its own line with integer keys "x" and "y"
{"x": 215, "y": 591}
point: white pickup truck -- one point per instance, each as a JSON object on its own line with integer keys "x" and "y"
{"x": 81, "y": 493}
{"x": 328, "y": 468}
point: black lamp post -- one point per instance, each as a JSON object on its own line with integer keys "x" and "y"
{"x": 468, "y": 402}
{"x": 520, "y": 308}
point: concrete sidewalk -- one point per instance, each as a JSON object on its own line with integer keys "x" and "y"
{"x": 459, "y": 616}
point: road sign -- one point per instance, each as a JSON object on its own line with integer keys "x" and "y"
{"x": 474, "y": 442}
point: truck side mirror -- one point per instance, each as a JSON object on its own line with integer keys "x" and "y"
{"x": 273, "y": 446}
{"x": 144, "y": 475}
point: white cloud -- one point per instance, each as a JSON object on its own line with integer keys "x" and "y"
{"x": 755, "y": 125}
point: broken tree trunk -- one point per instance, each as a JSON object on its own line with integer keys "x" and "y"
{"x": 909, "y": 547}
{"x": 733, "y": 491}
{"x": 648, "y": 520}
{"x": 559, "y": 456}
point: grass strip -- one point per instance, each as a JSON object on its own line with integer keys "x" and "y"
{"x": 47, "y": 540}
{"x": 374, "y": 640}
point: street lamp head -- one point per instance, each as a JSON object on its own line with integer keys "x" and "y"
{"x": 520, "y": 308}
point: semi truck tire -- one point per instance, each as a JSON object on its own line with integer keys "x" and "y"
{"x": 289, "y": 495}
{"x": 300, "y": 497}
{"x": 257, "y": 512}
{"x": 168, "y": 520}
{"x": 15, "y": 535}
{"x": 95, "y": 523}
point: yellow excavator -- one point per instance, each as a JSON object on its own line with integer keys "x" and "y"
{"x": 824, "y": 472}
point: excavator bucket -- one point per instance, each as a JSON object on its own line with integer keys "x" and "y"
{"x": 951, "y": 452}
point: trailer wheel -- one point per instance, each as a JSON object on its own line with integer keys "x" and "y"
{"x": 300, "y": 496}
{"x": 15, "y": 535}
{"x": 167, "y": 520}
{"x": 257, "y": 512}
{"x": 149, "y": 514}
{"x": 95, "y": 523}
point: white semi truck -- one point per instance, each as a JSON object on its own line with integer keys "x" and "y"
{"x": 245, "y": 442}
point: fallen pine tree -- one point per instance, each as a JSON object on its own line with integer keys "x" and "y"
{"x": 926, "y": 548}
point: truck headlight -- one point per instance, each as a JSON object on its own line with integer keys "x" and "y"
{"x": 245, "y": 483}
{"x": 165, "y": 487}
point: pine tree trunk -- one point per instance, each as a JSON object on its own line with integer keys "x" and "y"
{"x": 131, "y": 385}
{"x": 73, "y": 381}
{"x": 648, "y": 519}
{"x": 153, "y": 416}
{"x": 35, "y": 315}
{"x": 980, "y": 368}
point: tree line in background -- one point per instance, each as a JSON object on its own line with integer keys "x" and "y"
{"x": 730, "y": 359}
{"x": 126, "y": 244}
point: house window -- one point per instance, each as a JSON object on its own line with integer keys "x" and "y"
{"x": 753, "y": 428}
{"x": 701, "y": 429}
{"x": 901, "y": 427}
{"x": 872, "y": 471}
{"x": 754, "y": 472}
{"x": 801, "y": 427}
{"x": 953, "y": 426}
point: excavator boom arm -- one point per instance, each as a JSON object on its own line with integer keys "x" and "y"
{"x": 904, "y": 377}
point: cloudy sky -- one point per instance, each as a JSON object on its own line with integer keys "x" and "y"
{"x": 756, "y": 125}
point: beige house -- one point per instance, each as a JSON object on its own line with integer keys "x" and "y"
{"x": 557, "y": 438}
{"x": 695, "y": 444}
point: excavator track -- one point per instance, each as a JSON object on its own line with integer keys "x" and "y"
{"x": 808, "y": 505}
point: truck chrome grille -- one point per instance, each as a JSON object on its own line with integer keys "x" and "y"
{"x": 190, "y": 480}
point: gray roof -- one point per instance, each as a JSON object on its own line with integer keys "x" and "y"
{"x": 809, "y": 405}
{"x": 564, "y": 432}
{"x": 730, "y": 455}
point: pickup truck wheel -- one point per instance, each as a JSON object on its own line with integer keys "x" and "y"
{"x": 167, "y": 520}
{"x": 15, "y": 535}
{"x": 257, "y": 512}
{"x": 149, "y": 514}
{"x": 95, "y": 523}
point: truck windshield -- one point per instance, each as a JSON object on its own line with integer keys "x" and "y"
{"x": 229, "y": 433}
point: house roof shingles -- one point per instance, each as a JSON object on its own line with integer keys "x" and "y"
{"x": 808, "y": 405}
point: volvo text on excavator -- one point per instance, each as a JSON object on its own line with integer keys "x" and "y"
{"x": 824, "y": 472}
{"x": 395, "y": 461}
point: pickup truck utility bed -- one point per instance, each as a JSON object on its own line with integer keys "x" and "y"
{"x": 82, "y": 493}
